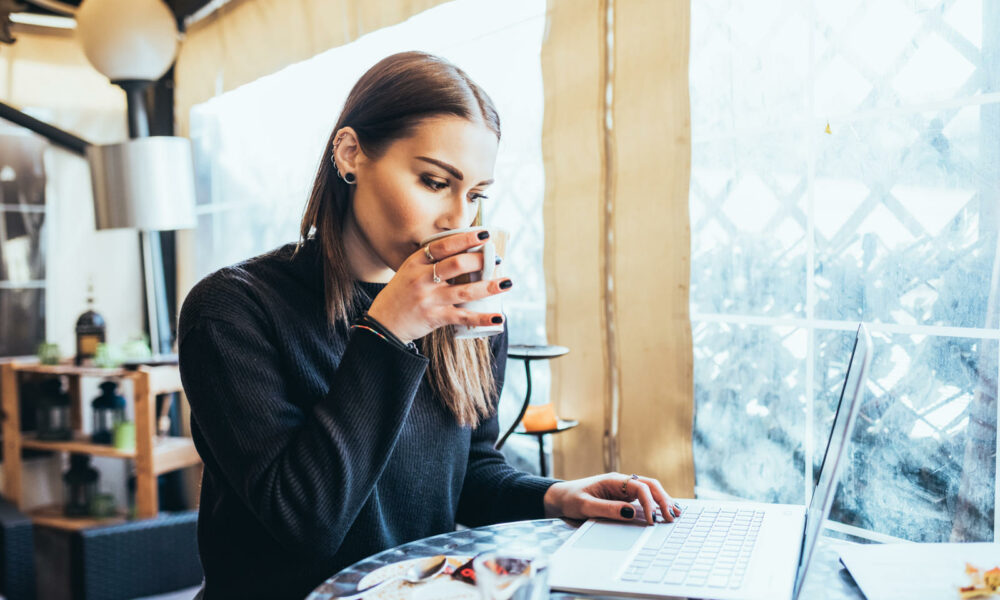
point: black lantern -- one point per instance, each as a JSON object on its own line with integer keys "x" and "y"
{"x": 80, "y": 485}
{"x": 53, "y": 412}
{"x": 109, "y": 411}
{"x": 89, "y": 332}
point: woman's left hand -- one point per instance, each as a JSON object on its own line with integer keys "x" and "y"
{"x": 609, "y": 496}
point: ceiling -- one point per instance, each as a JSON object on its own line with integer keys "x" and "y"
{"x": 180, "y": 8}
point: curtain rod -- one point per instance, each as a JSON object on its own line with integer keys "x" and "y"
{"x": 63, "y": 139}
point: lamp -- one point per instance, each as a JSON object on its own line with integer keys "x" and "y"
{"x": 146, "y": 183}
{"x": 128, "y": 39}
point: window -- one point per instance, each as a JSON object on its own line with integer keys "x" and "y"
{"x": 257, "y": 147}
{"x": 844, "y": 169}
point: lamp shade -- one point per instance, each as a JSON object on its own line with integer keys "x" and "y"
{"x": 145, "y": 183}
{"x": 128, "y": 39}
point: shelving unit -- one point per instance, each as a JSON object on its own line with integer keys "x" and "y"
{"x": 152, "y": 455}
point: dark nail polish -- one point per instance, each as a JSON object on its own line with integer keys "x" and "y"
{"x": 673, "y": 511}
{"x": 499, "y": 260}
{"x": 505, "y": 284}
{"x": 497, "y": 320}
{"x": 628, "y": 512}
{"x": 483, "y": 235}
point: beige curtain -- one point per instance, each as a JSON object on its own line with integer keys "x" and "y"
{"x": 617, "y": 169}
{"x": 247, "y": 39}
{"x": 617, "y": 146}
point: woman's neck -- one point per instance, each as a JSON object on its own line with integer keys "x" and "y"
{"x": 364, "y": 263}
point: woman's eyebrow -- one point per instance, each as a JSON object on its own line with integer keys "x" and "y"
{"x": 454, "y": 171}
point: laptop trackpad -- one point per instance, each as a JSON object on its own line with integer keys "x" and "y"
{"x": 609, "y": 536}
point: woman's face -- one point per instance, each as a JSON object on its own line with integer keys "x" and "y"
{"x": 430, "y": 182}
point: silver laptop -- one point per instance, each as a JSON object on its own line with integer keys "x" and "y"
{"x": 720, "y": 550}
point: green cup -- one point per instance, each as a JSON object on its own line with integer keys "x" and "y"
{"x": 124, "y": 435}
{"x": 103, "y": 506}
{"x": 48, "y": 353}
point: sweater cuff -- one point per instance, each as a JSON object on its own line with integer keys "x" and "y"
{"x": 369, "y": 323}
{"x": 533, "y": 489}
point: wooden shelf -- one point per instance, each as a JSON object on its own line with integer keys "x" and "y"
{"x": 81, "y": 444}
{"x": 152, "y": 455}
{"x": 172, "y": 453}
{"x": 71, "y": 370}
{"x": 169, "y": 454}
{"x": 52, "y": 516}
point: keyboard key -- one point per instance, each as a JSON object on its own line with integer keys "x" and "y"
{"x": 675, "y": 577}
{"x": 717, "y": 580}
{"x": 654, "y": 575}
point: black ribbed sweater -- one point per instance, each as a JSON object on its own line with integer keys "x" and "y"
{"x": 322, "y": 445}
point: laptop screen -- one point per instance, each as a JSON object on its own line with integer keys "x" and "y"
{"x": 836, "y": 446}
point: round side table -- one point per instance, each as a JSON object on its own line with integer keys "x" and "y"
{"x": 528, "y": 353}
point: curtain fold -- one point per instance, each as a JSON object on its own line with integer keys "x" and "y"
{"x": 617, "y": 148}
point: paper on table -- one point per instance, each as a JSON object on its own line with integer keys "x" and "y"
{"x": 914, "y": 571}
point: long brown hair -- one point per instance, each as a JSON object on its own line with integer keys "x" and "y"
{"x": 384, "y": 106}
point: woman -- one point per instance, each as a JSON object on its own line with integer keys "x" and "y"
{"x": 335, "y": 413}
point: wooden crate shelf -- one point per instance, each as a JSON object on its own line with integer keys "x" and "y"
{"x": 52, "y": 516}
{"x": 153, "y": 456}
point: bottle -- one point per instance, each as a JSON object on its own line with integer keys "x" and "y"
{"x": 89, "y": 331}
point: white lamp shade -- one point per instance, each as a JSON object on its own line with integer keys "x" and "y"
{"x": 128, "y": 39}
{"x": 145, "y": 183}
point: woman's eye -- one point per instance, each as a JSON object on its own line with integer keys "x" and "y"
{"x": 477, "y": 197}
{"x": 434, "y": 184}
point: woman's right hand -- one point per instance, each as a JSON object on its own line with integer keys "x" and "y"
{"x": 412, "y": 305}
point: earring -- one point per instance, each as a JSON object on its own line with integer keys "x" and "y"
{"x": 348, "y": 178}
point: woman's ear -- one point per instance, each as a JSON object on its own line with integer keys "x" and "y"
{"x": 346, "y": 150}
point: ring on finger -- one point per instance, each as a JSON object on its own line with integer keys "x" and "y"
{"x": 427, "y": 253}
{"x": 434, "y": 273}
{"x": 625, "y": 483}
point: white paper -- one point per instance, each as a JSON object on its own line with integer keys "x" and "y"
{"x": 915, "y": 571}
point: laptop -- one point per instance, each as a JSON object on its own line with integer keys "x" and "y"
{"x": 721, "y": 550}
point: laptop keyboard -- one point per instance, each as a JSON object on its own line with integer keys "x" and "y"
{"x": 704, "y": 547}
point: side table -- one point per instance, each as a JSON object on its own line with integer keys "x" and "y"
{"x": 528, "y": 353}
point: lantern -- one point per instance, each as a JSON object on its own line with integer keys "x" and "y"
{"x": 53, "y": 412}
{"x": 80, "y": 486}
{"x": 108, "y": 411}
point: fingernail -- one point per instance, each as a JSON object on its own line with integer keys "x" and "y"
{"x": 674, "y": 512}
{"x": 505, "y": 284}
{"x": 628, "y": 512}
{"x": 497, "y": 320}
{"x": 483, "y": 235}
{"x": 499, "y": 260}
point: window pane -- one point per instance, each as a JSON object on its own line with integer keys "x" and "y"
{"x": 889, "y": 165}
{"x": 919, "y": 437}
{"x": 22, "y": 321}
{"x": 750, "y": 411}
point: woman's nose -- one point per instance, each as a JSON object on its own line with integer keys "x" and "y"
{"x": 459, "y": 213}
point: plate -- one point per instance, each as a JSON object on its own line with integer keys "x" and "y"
{"x": 442, "y": 587}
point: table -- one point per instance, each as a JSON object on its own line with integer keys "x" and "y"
{"x": 528, "y": 353}
{"x": 826, "y": 579}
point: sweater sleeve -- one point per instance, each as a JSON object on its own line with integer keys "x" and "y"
{"x": 494, "y": 491}
{"x": 305, "y": 474}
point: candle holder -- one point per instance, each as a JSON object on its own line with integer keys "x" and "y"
{"x": 108, "y": 413}
{"x": 80, "y": 486}
{"x": 52, "y": 412}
